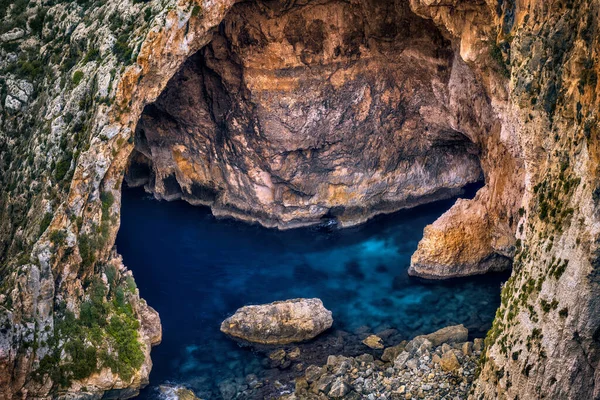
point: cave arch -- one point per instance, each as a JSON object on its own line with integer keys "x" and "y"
{"x": 303, "y": 111}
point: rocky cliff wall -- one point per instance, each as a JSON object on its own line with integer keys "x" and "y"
{"x": 76, "y": 77}
{"x": 544, "y": 342}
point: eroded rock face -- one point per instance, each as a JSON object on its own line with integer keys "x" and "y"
{"x": 462, "y": 242}
{"x": 281, "y": 322}
{"x": 293, "y": 113}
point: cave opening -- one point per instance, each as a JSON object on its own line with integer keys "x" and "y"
{"x": 299, "y": 114}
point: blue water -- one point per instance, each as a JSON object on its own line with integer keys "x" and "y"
{"x": 196, "y": 270}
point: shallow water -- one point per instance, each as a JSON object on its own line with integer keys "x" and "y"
{"x": 196, "y": 270}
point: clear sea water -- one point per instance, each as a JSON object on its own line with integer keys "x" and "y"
{"x": 196, "y": 270}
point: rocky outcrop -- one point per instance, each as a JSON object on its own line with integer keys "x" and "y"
{"x": 477, "y": 236}
{"x": 462, "y": 242}
{"x": 296, "y": 113}
{"x": 281, "y": 322}
{"x": 73, "y": 322}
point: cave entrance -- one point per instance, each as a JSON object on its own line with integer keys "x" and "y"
{"x": 297, "y": 112}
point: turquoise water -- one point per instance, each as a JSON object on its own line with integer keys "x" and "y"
{"x": 196, "y": 270}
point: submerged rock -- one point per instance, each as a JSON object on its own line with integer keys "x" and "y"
{"x": 169, "y": 392}
{"x": 281, "y": 322}
{"x": 374, "y": 342}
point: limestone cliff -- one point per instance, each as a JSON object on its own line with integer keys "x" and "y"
{"x": 545, "y": 338}
{"x": 309, "y": 126}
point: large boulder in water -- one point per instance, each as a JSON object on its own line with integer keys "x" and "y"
{"x": 281, "y": 322}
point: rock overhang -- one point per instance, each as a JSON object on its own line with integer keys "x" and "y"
{"x": 296, "y": 114}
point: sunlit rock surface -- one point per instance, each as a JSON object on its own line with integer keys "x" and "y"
{"x": 281, "y": 322}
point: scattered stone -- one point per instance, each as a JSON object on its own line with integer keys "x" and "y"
{"x": 478, "y": 344}
{"x": 323, "y": 384}
{"x": 400, "y": 361}
{"x": 312, "y": 373}
{"x": 339, "y": 388}
{"x": 365, "y": 358}
{"x": 374, "y": 342}
{"x": 277, "y": 355}
{"x": 467, "y": 348}
{"x": 281, "y": 322}
{"x": 428, "y": 372}
{"x": 390, "y": 353}
{"x": 449, "y": 362}
{"x": 294, "y": 353}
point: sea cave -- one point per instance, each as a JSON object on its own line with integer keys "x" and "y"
{"x": 299, "y": 199}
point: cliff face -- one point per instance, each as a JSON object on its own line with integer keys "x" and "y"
{"x": 545, "y": 339}
{"x": 295, "y": 113}
{"x": 288, "y": 128}
{"x": 75, "y": 78}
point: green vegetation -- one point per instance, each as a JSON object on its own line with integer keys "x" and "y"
{"x": 104, "y": 335}
{"x": 147, "y": 14}
{"x": 563, "y": 313}
{"x": 90, "y": 244}
{"x": 62, "y": 167}
{"x": 37, "y": 23}
{"x": 197, "y": 10}
{"x": 548, "y": 306}
{"x": 498, "y": 57}
{"x": 45, "y": 223}
{"x": 122, "y": 50}
{"x": 77, "y": 77}
{"x": 92, "y": 55}
{"x": 58, "y": 237}
{"x": 87, "y": 250}
{"x": 553, "y": 194}
{"x": 558, "y": 269}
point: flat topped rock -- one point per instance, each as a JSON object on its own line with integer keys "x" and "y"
{"x": 281, "y": 322}
{"x": 449, "y": 334}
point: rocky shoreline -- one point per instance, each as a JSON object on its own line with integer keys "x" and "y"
{"x": 440, "y": 365}
{"x": 413, "y": 370}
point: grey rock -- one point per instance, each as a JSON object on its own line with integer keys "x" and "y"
{"x": 401, "y": 360}
{"x": 313, "y": 373}
{"x": 390, "y": 353}
{"x": 339, "y": 388}
{"x": 13, "y": 34}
